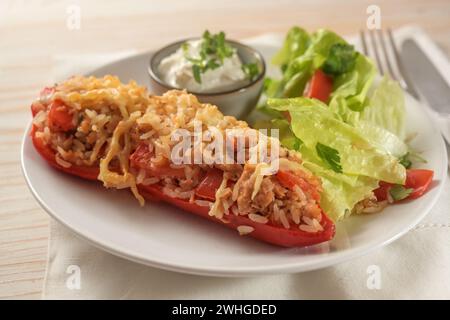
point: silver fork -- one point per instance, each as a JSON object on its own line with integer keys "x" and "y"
{"x": 383, "y": 50}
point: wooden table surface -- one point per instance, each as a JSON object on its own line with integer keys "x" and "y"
{"x": 32, "y": 32}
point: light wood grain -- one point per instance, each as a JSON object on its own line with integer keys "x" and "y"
{"x": 31, "y": 32}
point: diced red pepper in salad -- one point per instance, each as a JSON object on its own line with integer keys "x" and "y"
{"x": 419, "y": 180}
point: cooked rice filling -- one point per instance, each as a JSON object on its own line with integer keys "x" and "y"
{"x": 110, "y": 120}
{"x": 96, "y": 106}
{"x": 243, "y": 190}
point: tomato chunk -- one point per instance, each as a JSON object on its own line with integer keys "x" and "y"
{"x": 320, "y": 86}
{"x": 289, "y": 180}
{"x": 36, "y": 107}
{"x": 209, "y": 185}
{"x": 59, "y": 117}
{"x": 381, "y": 193}
{"x": 417, "y": 179}
{"x": 141, "y": 159}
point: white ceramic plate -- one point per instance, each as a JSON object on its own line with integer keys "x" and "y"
{"x": 162, "y": 236}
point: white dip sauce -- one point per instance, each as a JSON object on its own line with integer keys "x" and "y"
{"x": 176, "y": 71}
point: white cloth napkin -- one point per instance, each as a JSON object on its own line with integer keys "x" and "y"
{"x": 415, "y": 266}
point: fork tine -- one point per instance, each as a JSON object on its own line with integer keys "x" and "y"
{"x": 382, "y": 39}
{"x": 394, "y": 66}
{"x": 401, "y": 70}
{"x": 362, "y": 36}
{"x": 375, "y": 50}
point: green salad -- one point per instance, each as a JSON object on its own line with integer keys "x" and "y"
{"x": 348, "y": 124}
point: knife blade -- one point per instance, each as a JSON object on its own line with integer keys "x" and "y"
{"x": 426, "y": 78}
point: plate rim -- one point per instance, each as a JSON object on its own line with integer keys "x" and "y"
{"x": 241, "y": 271}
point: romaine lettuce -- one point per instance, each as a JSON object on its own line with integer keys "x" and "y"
{"x": 386, "y": 108}
{"x": 354, "y": 141}
{"x": 296, "y": 42}
{"x": 341, "y": 191}
{"x": 313, "y": 122}
{"x": 350, "y": 89}
{"x": 365, "y": 152}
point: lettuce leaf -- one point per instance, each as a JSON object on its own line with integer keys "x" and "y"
{"x": 386, "y": 108}
{"x": 299, "y": 57}
{"x": 313, "y": 122}
{"x": 295, "y": 44}
{"x": 300, "y": 69}
{"x": 302, "y": 54}
{"x": 340, "y": 191}
{"x": 350, "y": 90}
{"x": 353, "y": 142}
{"x": 286, "y": 137}
{"x": 382, "y": 139}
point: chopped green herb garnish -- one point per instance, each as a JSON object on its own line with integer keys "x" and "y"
{"x": 212, "y": 65}
{"x": 405, "y": 161}
{"x": 196, "y": 71}
{"x": 213, "y": 51}
{"x": 341, "y": 59}
{"x": 297, "y": 144}
{"x": 251, "y": 70}
{"x": 399, "y": 192}
{"x": 185, "y": 47}
{"x": 330, "y": 156}
{"x": 409, "y": 158}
